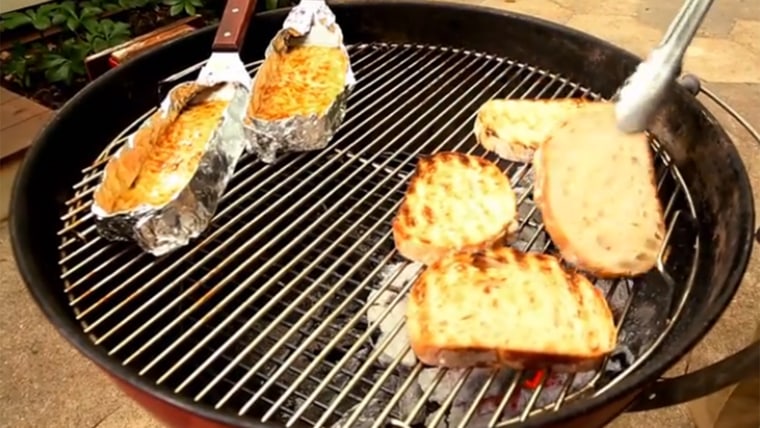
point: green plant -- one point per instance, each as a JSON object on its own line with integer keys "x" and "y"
{"x": 76, "y": 17}
{"x": 17, "y": 66}
{"x": 61, "y": 59}
{"x": 66, "y": 63}
{"x": 63, "y": 65}
{"x": 71, "y": 13}
{"x": 40, "y": 18}
{"x": 106, "y": 33}
{"x": 190, "y": 7}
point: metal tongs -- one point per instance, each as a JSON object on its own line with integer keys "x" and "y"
{"x": 641, "y": 95}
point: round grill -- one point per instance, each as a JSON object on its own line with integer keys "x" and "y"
{"x": 286, "y": 309}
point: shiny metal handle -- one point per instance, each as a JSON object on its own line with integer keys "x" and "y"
{"x": 681, "y": 32}
{"x": 640, "y": 97}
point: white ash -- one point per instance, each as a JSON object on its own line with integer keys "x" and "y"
{"x": 530, "y": 237}
{"x": 620, "y": 359}
{"x": 471, "y": 387}
{"x": 398, "y": 342}
{"x": 408, "y": 272}
{"x": 403, "y": 407}
{"x": 409, "y": 398}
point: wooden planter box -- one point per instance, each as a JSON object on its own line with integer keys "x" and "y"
{"x": 99, "y": 63}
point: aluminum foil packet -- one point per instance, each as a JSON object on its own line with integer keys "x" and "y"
{"x": 160, "y": 229}
{"x": 311, "y": 23}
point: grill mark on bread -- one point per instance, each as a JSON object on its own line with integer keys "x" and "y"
{"x": 454, "y": 202}
{"x": 465, "y": 292}
{"x": 428, "y": 214}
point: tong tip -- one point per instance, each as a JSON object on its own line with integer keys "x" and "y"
{"x": 641, "y": 95}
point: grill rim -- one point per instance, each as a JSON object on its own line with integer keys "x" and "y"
{"x": 22, "y": 232}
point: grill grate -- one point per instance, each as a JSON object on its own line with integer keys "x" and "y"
{"x": 286, "y": 309}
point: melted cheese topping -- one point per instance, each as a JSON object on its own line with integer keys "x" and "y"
{"x": 166, "y": 165}
{"x": 304, "y": 81}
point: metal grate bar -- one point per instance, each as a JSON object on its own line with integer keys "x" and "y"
{"x": 261, "y": 184}
{"x": 457, "y": 147}
{"x": 267, "y": 314}
{"x": 397, "y": 187}
{"x": 253, "y": 67}
{"x": 240, "y": 250}
{"x": 336, "y": 205}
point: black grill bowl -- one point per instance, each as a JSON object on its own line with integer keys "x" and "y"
{"x": 719, "y": 195}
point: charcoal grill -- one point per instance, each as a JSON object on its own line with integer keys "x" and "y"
{"x": 265, "y": 319}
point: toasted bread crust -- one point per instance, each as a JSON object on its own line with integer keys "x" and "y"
{"x": 459, "y": 307}
{"x": 562, "y": 232}
{"x": 514, "y": 129}
{"x": 454, "y": 202}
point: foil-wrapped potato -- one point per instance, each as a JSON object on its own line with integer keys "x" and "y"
{"x": 299, "y": 93}
{"x": 162, "y": 186}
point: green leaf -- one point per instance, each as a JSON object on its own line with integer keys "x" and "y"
{"x": 72, "y": 24}
{"x": 58, "y": 18}
{"x": 61, "y": 73}
{"x": 16, "y": 19}
{"x": 90, "y": 11}
{"x": 68, "y": 7}
{"x": 196, "y": 3}
{"x": 47, "y": 8}
{"x": 78, "y": 68}
{"x": 173, "y": 2}
{"x": 91, "y": 25}
{"x": 189, "y": 9}
{"x": 121, "y": 29}
{"x": 75, "y": 49}
{"x": 52, "y": 61}
{"x": 112, "y": 7}
{"x": 117, "y": 40}
{"x": 176, "y": 9}
{"x": 99, "y": 44}
{"x": 41, "y": 22}
{"x": 106, "y": 26}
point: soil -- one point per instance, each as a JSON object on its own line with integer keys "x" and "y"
{"x": 54, "y": 95}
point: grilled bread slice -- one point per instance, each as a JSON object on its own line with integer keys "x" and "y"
{"x": 514, "y": 129}
{"x": 501, "y": 307}
{"x": 454, "y": 202}
{"x": 595, "y": 187}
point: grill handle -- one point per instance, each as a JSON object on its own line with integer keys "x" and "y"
{"x": 233, "y": 26}
{"x": 668, "y": 392}
{"x": 729, "y": 371}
